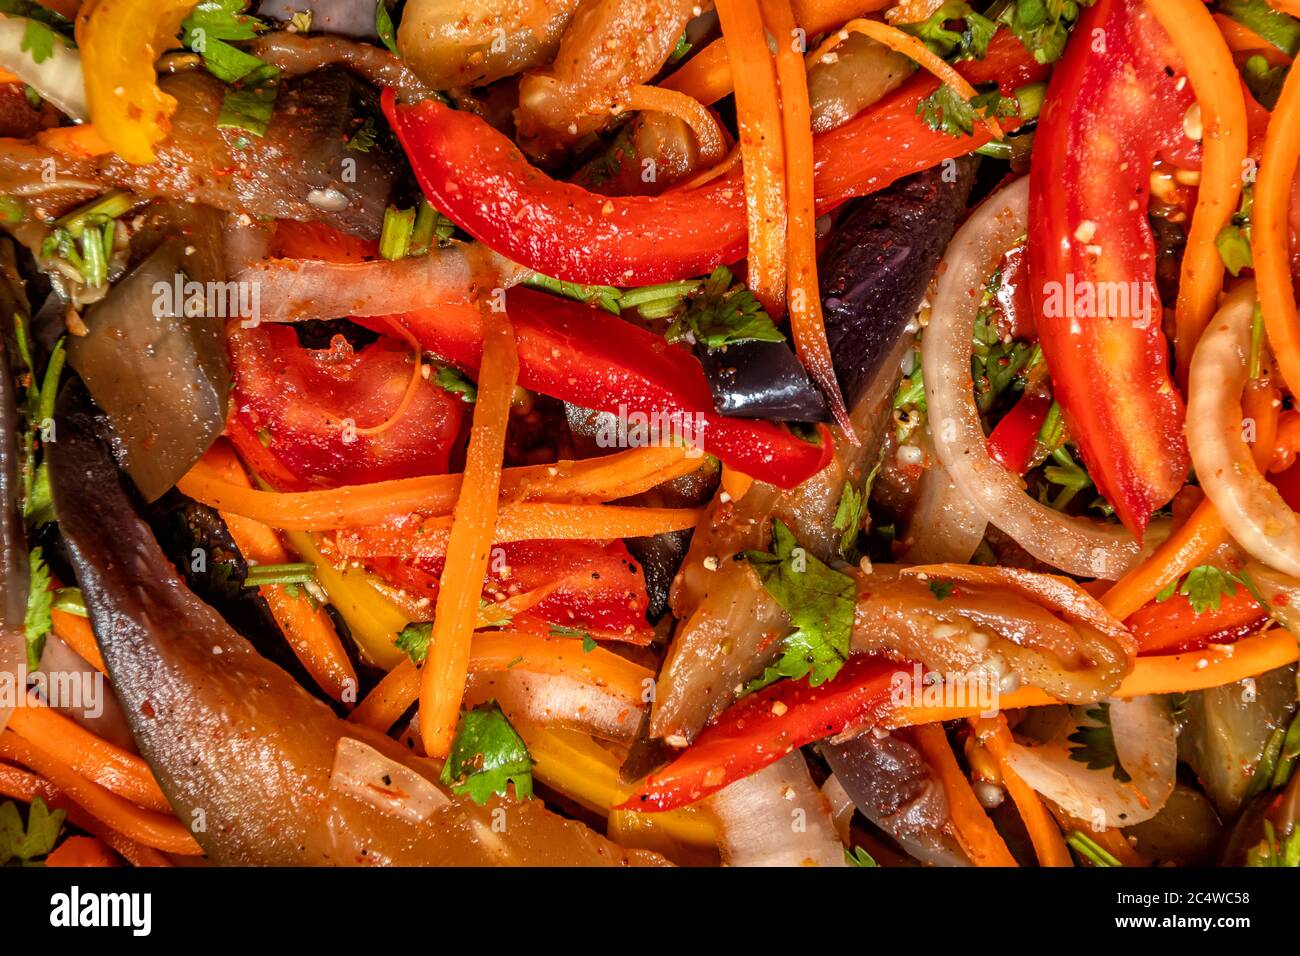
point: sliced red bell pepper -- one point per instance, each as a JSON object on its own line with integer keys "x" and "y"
{"x": 591, "y": 358}
{"x": 1117, "y": 99}
{"x": 315, "y": 404}
{"x": 602, "y": 589}
{"x": 760, "y": 729}
{"x": 488, "y": 188}
{"x": 1173, "y": 626}
{"x": 1013, "y": 440}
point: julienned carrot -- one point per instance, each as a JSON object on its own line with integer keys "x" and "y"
{"x": 1202, "y": 533}
{"x": 412, "y": 384}
{"x": 735, "y": 483}
{"x": 910, "y": 47}
{"x": 758, "y": 113}
{"x": 807, "y": 326}
{"x": 442, "y": 679}
{"x": 83, "y": 142}
{"x": 974, "y": 830}
{"x": 1161, "y": 674}
{"x": 1049, "y": 845}
{"x": 22, "y": 785}
{"x": 706, "y": 76}
{"x": 81, "y": 851}
{"x": 1217, "y": 85}
{"x": 1270, "y": 239}
{"x": 164, "y": 833}
{"x": 509, "y": 650}
{"x": 309, "y": 631}
{"x": 526, "y": 521}
{"x": 708, "y": 134}
{"x": 75, "y": 631}
{"x": 108, "y": 765}
{"x": 358, "y": 506}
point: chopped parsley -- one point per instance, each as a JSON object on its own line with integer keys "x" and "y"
{"x": 859, "y": 857}
{"x": 1233, "y": 240}
{"x": 820, "y": 602}
{"x": 1204, "y": 586}
{"x": 722, "y": 312}
{"x": 1264, "y": 81}
{"x": 450, "y": 380}
{"x": 24, "y": 845}
{"x": 487, "y": 756}
{"x": 947, "y": 111}
{"x": 588, "y": 642}
{"x": 209, "y": 31}
{"x": 1043, "y": 26}
{"x": 941, "y": 588}
{"x": 414, "y": 640}
{"x": 364, "y": 138}
{"x": 1095, "y": 744}
{"x": 36, "y": 622}
{"x": 38, "y": 41}
{"x": 971, "y": 41}
{"x": 384, "y": 27}
{"x": 250, "y": 104}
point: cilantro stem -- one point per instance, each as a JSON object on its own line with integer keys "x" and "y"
{"x": 108, "y": 206}
{"x": 395, "y": 234}
{"x": 70, "y": 601}
{"x": 260, "y": 575}
{"x": 1089, "y": 849}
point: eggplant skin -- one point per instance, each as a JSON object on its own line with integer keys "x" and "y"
{"x": 244, "y": 753}
{"x": 761, "y": 380}
{"x": 878, "y": 263}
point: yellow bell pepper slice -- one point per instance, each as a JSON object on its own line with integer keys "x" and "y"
{"x": 120, "y": 40}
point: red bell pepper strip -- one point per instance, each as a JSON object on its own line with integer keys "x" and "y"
{"x": 590, "y": 358}
{"x": 1172, "y": 626}
{"x": 760, "y": 729}
{"x": 481, "y": 181}
{"x": 1014, "y": 439}
{"x": 1114, "y": 104}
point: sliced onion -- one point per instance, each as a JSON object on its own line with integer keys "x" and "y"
{"x": 1252, "y": 510}
{"x": 362, "y": 772}
{"x": 945, "y": 526}
{"x": 291, "y": 290}
{"x": 841, "y": 805}
{"x": 1075, "y": 545}
{"x": 552, "y": 700}
{"x": 71, "y": 685}
{"x": 1145, "y": 743}
{"x": 777, "y": 817}
{"x": 58, "y": 78}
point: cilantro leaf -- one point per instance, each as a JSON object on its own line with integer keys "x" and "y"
{"x": 1233, "y": 240}
{"x": 38, "y": 40}
{"x": 820, "y": 602}
{"x": 35, "y": 840}
{"x": 941, "y": 588}
{"x": 249, "y": 106}
{"x": 1204, "y": 587}
{"x": 849, "y": 514}
{"x": 1264, "y": 81}
{"x": 414, "y": 640}
{"x": 971, "y": 41}
{"x": 859, "y": 857}
{"x": 1095, "y": 744}
{"x": 384, "y": 27}
{"x": 222, "y": 20}
{"x": 37, "y": 623}
{"x": 1274, "y": 26}
{"x": 450, "y": 380}
{"x": 722, "y": 313}
{"x": 1043, "y": 26}
{"x": 487, "y": 755}
{"x": 364, "y": 138}
{"x": 946, "y": 111}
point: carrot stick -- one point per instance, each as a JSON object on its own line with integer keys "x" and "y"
{"x": 24, "y": 786}
{"x": 708, "y": 134}
{"x": 164, "y": 833}
{"x": 735, "y": 483}
{"x": 974, "y": 830}
{"x": 1049, "y": 845}
{"x": 1217, "y": 85}
{"x": 357, "y": 506}
{"x": 1270, "y": 240}
{"x": 309, "y": 631}
{"x": 412, "y": 384}
{"x": 75, "y": 631}
{"x": 1160, "y": 674}
{"x": 92, "y": 756}
{"x": 807, "y": 327}
{"x": 83, "y": 142}
{"x": 81, "y": 851}
{"x": 442, "y": 679}
{"x": 509, "y": 650}
{"x": 910, "y": 47}
{"x": 758, "y": 112}
{"x": 535, "y": 521}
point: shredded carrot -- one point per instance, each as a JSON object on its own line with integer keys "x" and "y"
{"x": 1217, "y": 85}
{"x": 910, "y": 47}
{"x": 1049, "y": 845}
{"x": 758, "y": 112}
{"x": 526, "y": 521}
{"x": 309, "y": 631}
{"x": 164, "y": 833}
{"x": 82, "y": 141}
{"x": 735, "y": 483}
{"x": 442, "y": 679}
{"x": 509, "y": 650}
{"x": 356, "y": 506}
{"x": 1242, "y": 39}
{"x": 75, "y": 631}
{"x": 92, "y": 756}
{"x": 1270, "y": 241}
{"x": 974, "y": 830}
{"x": 1159, "y": 674}
{"x": 807, "y": 327}
{"x": 412, "y": 386}
{"x": 81, "y": 851}
{"x": 7, "y": 77}
{"x": 24, "y": 786}
{"x": 708, "y": 134}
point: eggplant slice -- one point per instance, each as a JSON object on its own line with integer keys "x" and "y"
{"x": 243, "y": 752}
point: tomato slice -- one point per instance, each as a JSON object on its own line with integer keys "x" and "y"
{"x": 310, "y": 408}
